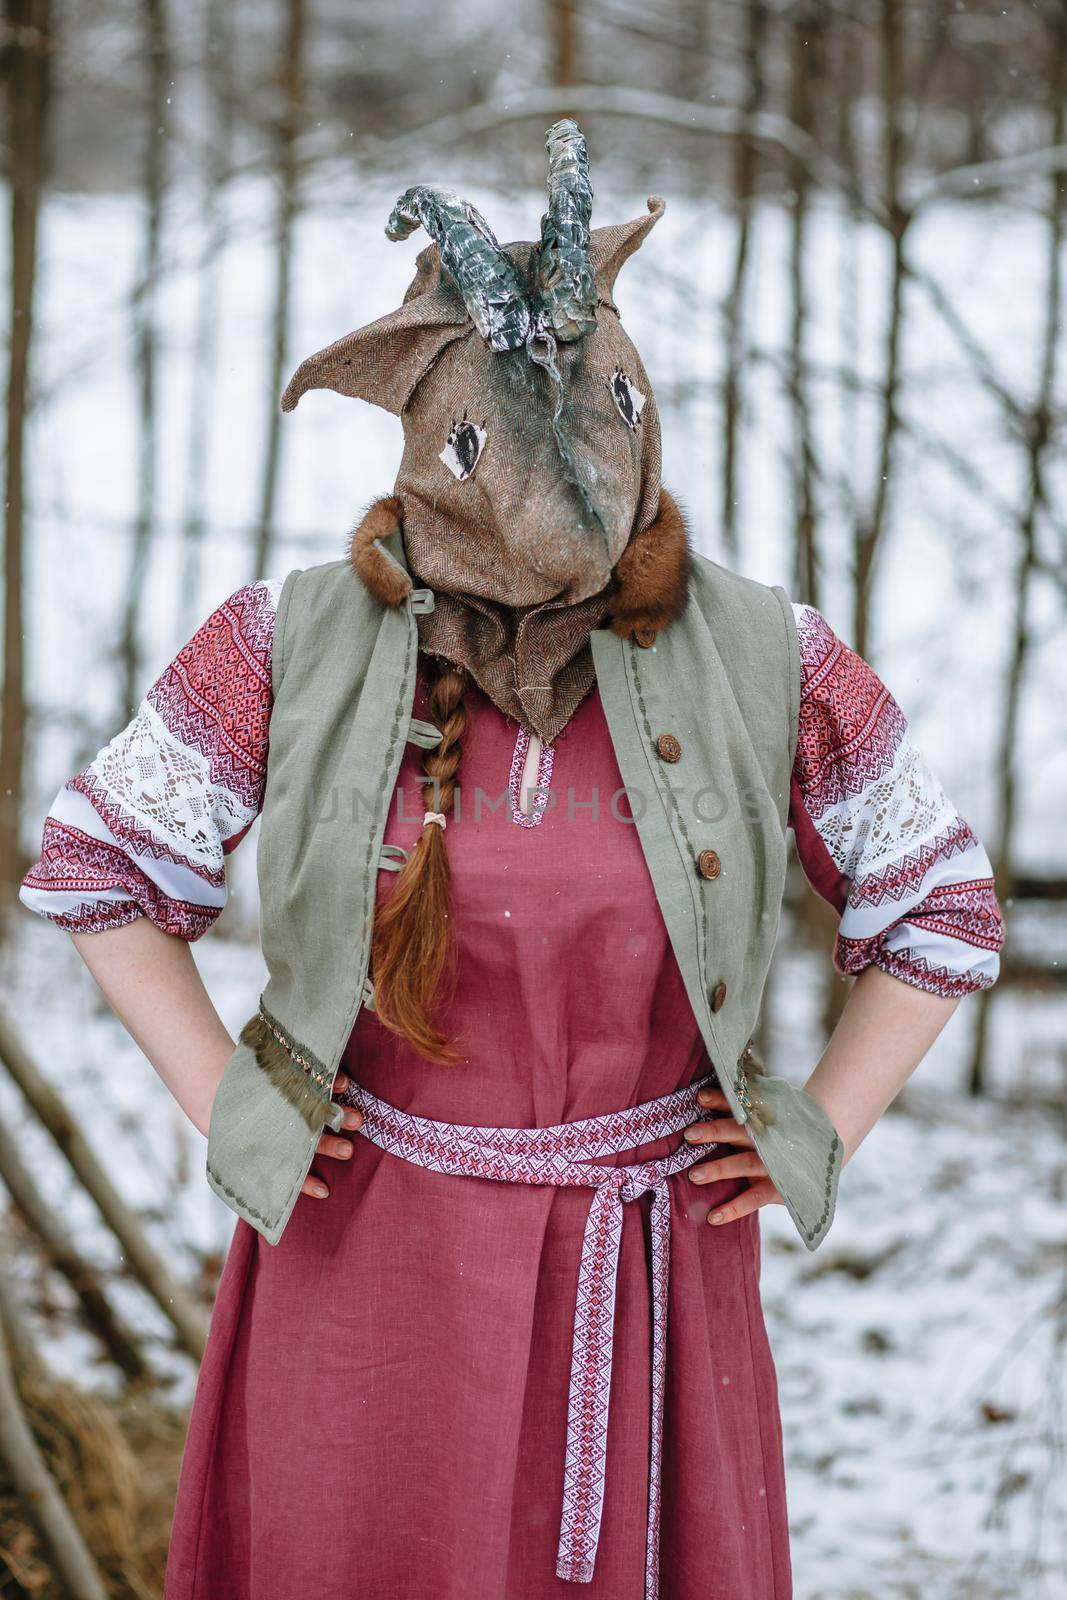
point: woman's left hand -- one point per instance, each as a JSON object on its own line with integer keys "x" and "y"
{"x": 745, "y": 1164}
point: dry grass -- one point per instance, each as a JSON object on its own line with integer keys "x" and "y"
{"x": 116, "y": 1464}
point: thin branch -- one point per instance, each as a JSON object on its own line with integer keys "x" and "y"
{"x": 984, "y": 178}
{"x": 769, "y": 128}
{"x": 63, "y": 1254}
{"x": 142, "y": 1260}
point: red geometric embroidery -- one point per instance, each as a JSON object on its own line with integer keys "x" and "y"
{"x": 967, "y": 913}
{"x": 901, "y": 878}
{"x": 73, "y": 862}
{"x": 137, "y": 835}
{"x": 215, "y": 696}
{"x": 539, "y": 792}
{"x": 850, "y": 726}
{"x": 924, "y": 974}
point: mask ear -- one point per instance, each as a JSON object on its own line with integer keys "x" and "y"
{"x": 384, "y": 361}
{"x": 427, "y": 277}
{"x": 610, "y": 247}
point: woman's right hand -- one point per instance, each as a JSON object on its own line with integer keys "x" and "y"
{"x": 333, "y": 1144}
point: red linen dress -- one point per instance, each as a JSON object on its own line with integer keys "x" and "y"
{"x": 381, "y": 1412}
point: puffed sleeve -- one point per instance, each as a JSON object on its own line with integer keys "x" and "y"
{"x": 144, "y": 828}
{"x": 877, "y": 836}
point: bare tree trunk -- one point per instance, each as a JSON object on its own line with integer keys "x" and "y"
{"x": 142, "y": 1261}
{"x": 694, "y": 68}
{"x": 806, "y": 41}
{"x": 157, "y": 56}
{"x": 289, "y": 126}
{"x": 744, "y": 180}
{"x": 850, "y": 70}
{"x": 36, "y": 1489}
{"x": 564, "y": 32}
{"x": 1037, "y": 441}
{"x": 218, "y": 55}
{"x": 870, "y": 529}
{"x": 29, "y": 25}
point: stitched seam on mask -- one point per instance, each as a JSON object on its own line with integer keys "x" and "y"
{"x": 677, "y": 812}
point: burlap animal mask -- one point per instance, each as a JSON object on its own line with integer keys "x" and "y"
{"x": 529, "y": 490}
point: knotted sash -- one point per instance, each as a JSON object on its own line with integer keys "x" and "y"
{"x": 562, "y": 1156}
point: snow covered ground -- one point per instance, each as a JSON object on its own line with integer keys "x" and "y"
{"x": 922, "y": 1350}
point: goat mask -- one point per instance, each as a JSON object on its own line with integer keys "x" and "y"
{"x": 529, "y": 493}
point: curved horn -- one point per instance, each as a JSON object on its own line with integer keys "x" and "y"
{"x": 565, "y": 278}
{"x": 483, "y": 273}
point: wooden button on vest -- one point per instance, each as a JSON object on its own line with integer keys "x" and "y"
{"x": 718, "y": 999}
{"x": 708, "y": 864}
{"x": 668, "y": 747}
{"x": 645, "y": 637}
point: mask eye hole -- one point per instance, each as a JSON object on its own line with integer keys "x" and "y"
{"x": 464, "y": 447}
{"x": 629, "y": 401}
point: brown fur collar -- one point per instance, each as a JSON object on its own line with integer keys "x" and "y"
{"x": 386, "y": 581}
{"x": 651, "y": 575}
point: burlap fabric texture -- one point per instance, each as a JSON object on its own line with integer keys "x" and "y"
{"x": 531, "y": 435}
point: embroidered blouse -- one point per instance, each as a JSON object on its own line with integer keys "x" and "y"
{"x": 145, "y": 827}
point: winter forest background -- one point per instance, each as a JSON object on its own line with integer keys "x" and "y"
{"x": 852, "y": 314}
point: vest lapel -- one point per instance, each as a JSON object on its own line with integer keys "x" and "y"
{"x": 710, "y": 793}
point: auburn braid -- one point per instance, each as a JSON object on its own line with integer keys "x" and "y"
{"x": 412, "y": 947}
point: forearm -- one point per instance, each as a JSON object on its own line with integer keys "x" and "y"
{"x": 151, "y": 982}
{"x": 883, "y": 1033}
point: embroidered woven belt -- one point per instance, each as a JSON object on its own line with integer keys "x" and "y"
{"x": 562, "y": 1156}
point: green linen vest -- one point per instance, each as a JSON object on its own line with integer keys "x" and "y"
{"x": 723, "y": 681}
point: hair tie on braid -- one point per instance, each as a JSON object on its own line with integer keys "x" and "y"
{"x": 435, "y": 816}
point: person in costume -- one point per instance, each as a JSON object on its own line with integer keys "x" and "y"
{"x": 496, "y": 1134}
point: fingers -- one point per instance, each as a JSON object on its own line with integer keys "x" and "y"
{"x": 746, "y": 1164}
{"x": 713, "y": 1100}
{"x": 333, "y": 1145}
{"x": 760, "y": 1193}
{"x": 351, "y": 1118}
{"x": 720, "y": 1130}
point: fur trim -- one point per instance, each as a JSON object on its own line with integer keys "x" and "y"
{"x": 291, "y": 1072}
{"x": 653, "y": 575}
{"x": 383, "y": 578}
